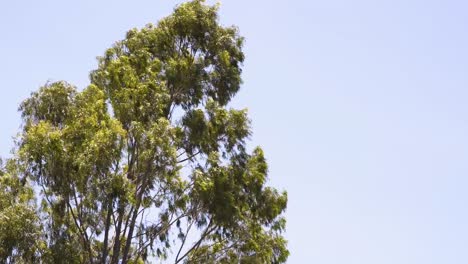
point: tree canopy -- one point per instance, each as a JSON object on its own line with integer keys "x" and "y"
{"x": 148, "y": 163}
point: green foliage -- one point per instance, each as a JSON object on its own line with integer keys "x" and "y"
{"x": 147, "y": 162}
{"x": 20, "y": 236}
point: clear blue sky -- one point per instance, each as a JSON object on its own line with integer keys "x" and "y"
{"x": 361, "y": 107}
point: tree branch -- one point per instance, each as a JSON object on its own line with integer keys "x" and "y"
{"x": 207, "y": 231}
{"x": 183, "y": 241}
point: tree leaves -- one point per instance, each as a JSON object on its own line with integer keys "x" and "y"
{"x": 20, "y": 236}
{"x": 148, "y": 157}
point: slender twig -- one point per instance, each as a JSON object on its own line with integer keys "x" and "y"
{"x": 183, "y": 241}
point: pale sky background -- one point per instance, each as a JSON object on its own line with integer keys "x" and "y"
{"x": 361, "y": 107}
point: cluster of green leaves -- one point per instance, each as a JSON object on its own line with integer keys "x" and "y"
{"x": 147, "y": 161}
{"x": 20, "y": 232}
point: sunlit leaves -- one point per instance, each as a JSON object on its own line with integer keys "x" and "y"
{"x": 148, "y": 159}
{"x": 20, "y": 236}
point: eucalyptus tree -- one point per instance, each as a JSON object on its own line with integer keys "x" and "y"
{"x": 149, "y": 163}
